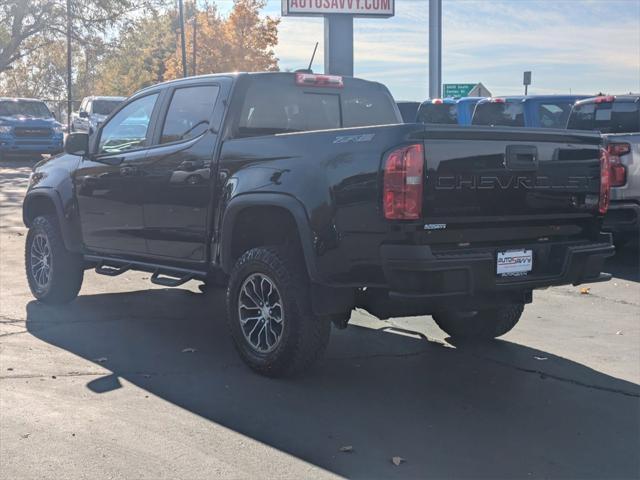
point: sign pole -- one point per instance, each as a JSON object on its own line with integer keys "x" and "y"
{"x": 435, "y": 48}
{"x": 338, "y": 44}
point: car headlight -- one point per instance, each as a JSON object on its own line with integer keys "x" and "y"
{"x": 5, "y": 129}
{"x": 58, "y": 130}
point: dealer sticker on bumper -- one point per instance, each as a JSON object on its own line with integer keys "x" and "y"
{"x": 514, "y": 262}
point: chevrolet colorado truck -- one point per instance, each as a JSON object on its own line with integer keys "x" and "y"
{"x": 27, "y": 126}
{"x": 532, "y": 111}
{"x": 307, "y": 197}
{"x": 618, "y": 119}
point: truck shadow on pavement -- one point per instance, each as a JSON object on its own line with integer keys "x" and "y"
{"x": 470, "y": 411}
{"x": 625, "y": 264}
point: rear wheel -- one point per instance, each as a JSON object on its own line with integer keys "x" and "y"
{"x": 54, "y": 274}
{"x": 482, "y": 324}
{"x": 270, "y": 315}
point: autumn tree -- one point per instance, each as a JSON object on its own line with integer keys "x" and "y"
{"x": 244, "y": 41}
{"x": 250, "y": 38}
{"x": 138, "y": 56}
{"x": 42, "y": 74}
{"x": 29, "y": 25}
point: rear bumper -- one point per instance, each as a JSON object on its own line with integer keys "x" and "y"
{"x": 622, "y": 217}
{"x": 415, "y": 271}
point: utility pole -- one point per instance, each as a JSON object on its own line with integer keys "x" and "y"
{"x": 69, "y": 99}
{"x": 183, "y": 39}
{"x": 435, "y": 48}
{"x": 194, "y": 69}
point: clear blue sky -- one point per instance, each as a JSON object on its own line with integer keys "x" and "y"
{"x": 583, "y": 46}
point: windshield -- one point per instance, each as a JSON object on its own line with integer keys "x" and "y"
{"x": 508, "y": 114}
{"x": 606, "y": 117}
{"x": 276, "y": 105}
{"x": 105, "y": 107}
{"x": 23, "y": 108}
{"x": 438, "y": 113}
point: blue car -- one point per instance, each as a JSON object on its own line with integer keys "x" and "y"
{"x": 448, "y": 111}
{"x": 533, "y": 111}
{"x": 27, "y": 126}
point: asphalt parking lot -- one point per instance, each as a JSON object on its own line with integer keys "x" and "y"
{"x": 136, "y": 381}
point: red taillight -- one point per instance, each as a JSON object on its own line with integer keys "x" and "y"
{"x": 313, "y": 80}
{"x": 437, "y": 101}
{"x": 605, "y": 99}
{"x": 403, "y": 183}
{"x": 605, "y": 181}
{"x": 618, "y": 175}
{"x": 497, "y": 100}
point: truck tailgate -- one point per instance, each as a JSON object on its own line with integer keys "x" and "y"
{"x": 477, "y": 174}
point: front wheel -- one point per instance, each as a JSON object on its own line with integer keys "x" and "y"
{"x": 482, "y": 324}
{"x": 54, "y": 273}
{"x": 270, "y": 316}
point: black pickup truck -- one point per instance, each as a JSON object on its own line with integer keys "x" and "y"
{"x": 306, "y": 196}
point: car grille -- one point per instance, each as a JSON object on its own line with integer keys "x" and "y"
{"x": 31, "y": 132}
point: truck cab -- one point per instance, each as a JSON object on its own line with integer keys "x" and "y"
{"x": 534, "y": 111}
{"x": 93, "y": 111}
{"x": 448, "y": 111}
{"x": 27, "y": 126}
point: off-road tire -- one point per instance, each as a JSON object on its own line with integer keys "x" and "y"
{"x": 483, "y": 324}
{"x": 67, "y": 270}
{"x": 304, "y": 335}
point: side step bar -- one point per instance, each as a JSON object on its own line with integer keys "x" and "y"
{"x": 160, "y": 274}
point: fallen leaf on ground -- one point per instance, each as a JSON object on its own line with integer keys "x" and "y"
{"x": 189, "y": 350}
{"x": 26, "y": 435}
{"x": 346, "y": 449}
{"x": 398, "y": 460}
{"x": 585, "y": 291}
{"x": 100, "y": 360}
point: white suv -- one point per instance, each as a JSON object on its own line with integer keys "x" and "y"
{"x": 92, "y": 112}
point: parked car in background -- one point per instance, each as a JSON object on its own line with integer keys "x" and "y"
{"x": 306, "y": 197}
{"x": 27, "y": 126}
{"x": 93, "y": 111}
{"x": 447, "y": 111}
{"x": 618, "y": 118}
{"x": 408, "y": 110}
{"x": 533, "y": 111}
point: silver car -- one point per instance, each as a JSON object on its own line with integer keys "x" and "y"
{"x": 618, "y": 119}
{"x": 93, "y": 111}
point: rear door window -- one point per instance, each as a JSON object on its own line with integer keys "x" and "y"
{"x": 189, "y": 113}
{"x": 508, "y": 114}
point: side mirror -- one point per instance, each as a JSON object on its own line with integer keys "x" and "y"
{"x": 83, "y": 114}
{"x": 77, "y": 144}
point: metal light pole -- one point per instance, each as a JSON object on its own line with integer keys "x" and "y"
{"x": 435, "y": 48}
{"x": 183, "y": 39}
{"x": 194, "y": 70}
{"x": 69, "y": 99}
{"x": 338, "y": 44}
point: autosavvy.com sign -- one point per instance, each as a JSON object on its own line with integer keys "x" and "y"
{"x": 360, "y": 8}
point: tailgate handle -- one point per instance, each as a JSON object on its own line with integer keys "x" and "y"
{"x": 521, "y": 157}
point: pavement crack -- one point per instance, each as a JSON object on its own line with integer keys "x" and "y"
{"x": 559, "y": 378}
{"x": 13, "y": 333}
{"x": 380, "y": 355}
